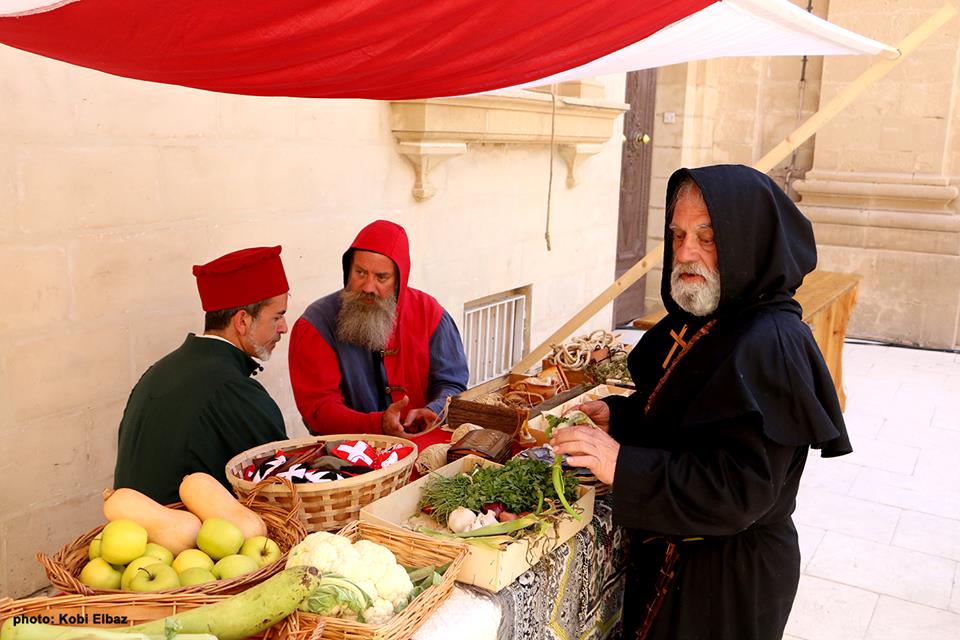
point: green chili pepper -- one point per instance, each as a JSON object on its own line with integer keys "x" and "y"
{"x": 558, "y": 486}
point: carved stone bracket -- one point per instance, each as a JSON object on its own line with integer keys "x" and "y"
{"x": 429, "y": 132}
{"x": 425, "y": 156}
{"x": 574, "y": 155}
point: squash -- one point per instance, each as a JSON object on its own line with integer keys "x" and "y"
{"x": 174, "y": 529}
{"x": 207, "y": 498}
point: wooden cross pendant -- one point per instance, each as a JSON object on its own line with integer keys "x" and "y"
{"x": 678, "y": 341}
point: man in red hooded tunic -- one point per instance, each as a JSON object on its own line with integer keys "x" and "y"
{"x": 377, "y": 356}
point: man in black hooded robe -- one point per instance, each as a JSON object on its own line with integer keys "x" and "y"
{"x": 705, "y": 458}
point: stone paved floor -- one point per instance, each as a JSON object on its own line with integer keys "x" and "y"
{"x": 880, "y": 528}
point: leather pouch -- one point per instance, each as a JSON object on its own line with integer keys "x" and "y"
{"x": 485, "y": 443}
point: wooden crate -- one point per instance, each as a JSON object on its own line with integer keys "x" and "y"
{"x": 464, "y": 408}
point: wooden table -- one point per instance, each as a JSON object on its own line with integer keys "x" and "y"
{"x": 827, "y": 298}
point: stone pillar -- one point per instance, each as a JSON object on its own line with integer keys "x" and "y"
{"x": 882, "y": 193}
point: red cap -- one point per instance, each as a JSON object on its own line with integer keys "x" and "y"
{"x": 241, "y": 278}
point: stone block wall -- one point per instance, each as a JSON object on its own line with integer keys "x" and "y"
{"x": 879, "y": 181}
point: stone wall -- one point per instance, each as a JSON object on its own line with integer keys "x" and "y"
{"x": 111, "y": 189}
{"x": 883, "y": 188}
{"x": 879, "y": 181}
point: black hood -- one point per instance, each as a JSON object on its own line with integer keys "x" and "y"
{"x": 765, "y": 245}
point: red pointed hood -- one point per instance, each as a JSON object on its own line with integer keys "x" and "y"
{"x": 386, "y": 238}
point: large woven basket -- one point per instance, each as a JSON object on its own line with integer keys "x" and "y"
{"x": 128, "y": 609}
{"x": 283, "y": 526}
{"x": 327, "y": 506}
{"x": 411, "y": 550}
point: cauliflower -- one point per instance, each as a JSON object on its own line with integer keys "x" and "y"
{"x": 368, "y": 587}
{"x": 366, "y": 565}
{"x": 325, "y": 551}
{"x": 379, "y": 613}
{"x": 373, "y": 560}
{"x": 375, "y": 553}
{"x": 394, "y": 585}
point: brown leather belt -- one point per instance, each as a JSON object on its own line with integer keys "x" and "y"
{"x": 665, "y": 579}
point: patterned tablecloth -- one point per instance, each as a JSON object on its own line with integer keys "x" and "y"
{"x": 574, "y": 592}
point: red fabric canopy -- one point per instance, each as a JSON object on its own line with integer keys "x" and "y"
{"x": 380, "y": 49}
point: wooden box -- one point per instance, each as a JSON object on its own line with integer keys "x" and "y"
{"x": 466, "y": 407}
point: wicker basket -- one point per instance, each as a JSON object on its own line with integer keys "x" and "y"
{"x": 411, "y": 550}
{"x": 139, "y": 608}
{"x": 283, "y": 526}
{"x": 328, "y": 506}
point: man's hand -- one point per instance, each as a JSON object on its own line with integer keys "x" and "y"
{"x": 588, "y": 447}
{"x": 597, "y": 410}
{"x": 390, "y": 422}
{"x": 419, "y": 419}
{"x": 414, "y": 422}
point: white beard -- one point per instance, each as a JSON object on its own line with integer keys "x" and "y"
{"x": 366, "y": 325}
{"x": 696, "y": 298}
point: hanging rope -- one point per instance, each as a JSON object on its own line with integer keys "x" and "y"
{"x": 553, "y": 126}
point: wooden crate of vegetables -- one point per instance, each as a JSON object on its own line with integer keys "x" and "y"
{"x": 377, "y": 583}
{"x": 532, "y": 521}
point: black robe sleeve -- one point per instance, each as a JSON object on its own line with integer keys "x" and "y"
{"x": 729, "y": 481}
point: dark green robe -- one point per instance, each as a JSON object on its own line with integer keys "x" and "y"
{"x": 192, "y": 411}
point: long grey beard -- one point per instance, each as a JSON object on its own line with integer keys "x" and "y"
{"x": 699, "y": 299}
{"x": 366, "y": 325}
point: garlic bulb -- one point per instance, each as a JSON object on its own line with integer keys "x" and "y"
{"x": 461, "y": 520}
{"x": 486, "y": 518}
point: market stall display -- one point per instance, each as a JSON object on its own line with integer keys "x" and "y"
{"x": 328, "y": 505}
{"x": 65, "y": 567}
{"x": 409, "y": 550}
{"x": 494, "y": 561}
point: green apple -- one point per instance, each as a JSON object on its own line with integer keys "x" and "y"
{"x": 190, "y": 558}
{"x": 159, "y": 552}
{"x": 219, "y": 538}
{"x": 123, "y": 541}
{"x": 196, "y": 575}
{"x": 154, "y": 577}
{"x": 133, "y": 568}
{"x": 98, "y": 574}
{"x": 94, "y": 550}
{"x": 262, "y": 549}
{"x": 234, "y": 565}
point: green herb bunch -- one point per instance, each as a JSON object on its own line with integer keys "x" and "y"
{"x": 521, "y": 485}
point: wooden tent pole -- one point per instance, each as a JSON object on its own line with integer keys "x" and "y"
{"x": 632, "y": 274}
{"x": 839, "y": 102}
{"x": 879, "y": 69}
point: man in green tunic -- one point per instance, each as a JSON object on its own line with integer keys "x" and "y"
{"x": 197, "y": 407}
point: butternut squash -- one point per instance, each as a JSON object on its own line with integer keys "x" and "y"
{"x": 174, "y": 529}
{"x": 207, "y": 498}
